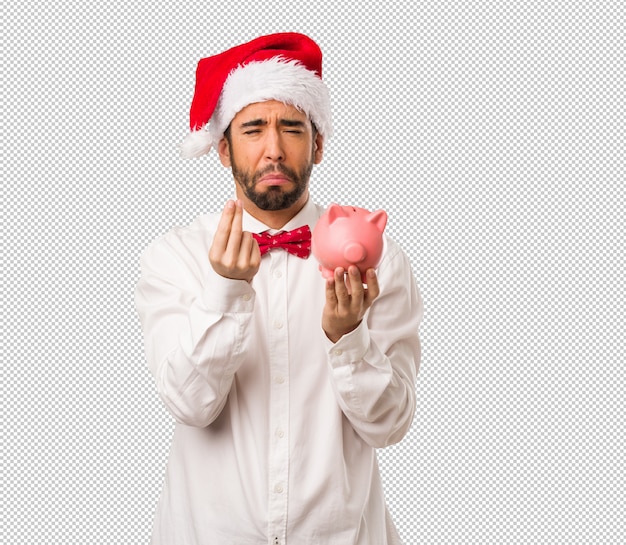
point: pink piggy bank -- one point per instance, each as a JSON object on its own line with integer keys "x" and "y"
{"x": 348, "y": 235}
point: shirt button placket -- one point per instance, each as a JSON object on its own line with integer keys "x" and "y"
{"x": 279, "y": 398}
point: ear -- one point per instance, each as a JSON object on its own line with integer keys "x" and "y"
{"x": 378, "y": 218}
{"x": 335, "y": 211}
{"x": 318, "y": 149}
{"x": 223, "y": 149}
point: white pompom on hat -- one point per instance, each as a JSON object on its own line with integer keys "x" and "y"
{"x": 286, "y": 67}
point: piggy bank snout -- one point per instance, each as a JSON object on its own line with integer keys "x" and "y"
{"x": 354, "y": 252}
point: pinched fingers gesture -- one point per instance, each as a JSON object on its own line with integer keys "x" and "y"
{"x": 347, "y": 301}
{"x": 234, "y": 252}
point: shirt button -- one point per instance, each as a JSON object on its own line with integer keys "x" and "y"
{"x": 247, "y": 297}
{"x": 278, "y": 489}
{"x": 338, "y": 352}
{"x": 280, "y": 433}
{"x": 279, "y": 379}
{"x": 277, "y": 274}
{"x": 278, "y": 324}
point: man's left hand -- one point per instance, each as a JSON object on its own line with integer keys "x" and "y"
{"x": 347, "y": 301}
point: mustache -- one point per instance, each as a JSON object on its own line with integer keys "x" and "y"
{"x": 280, "y": 168}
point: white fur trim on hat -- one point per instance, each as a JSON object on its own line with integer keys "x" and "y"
{"x": 274, "y": 79}
{"x": 196, "y": 144}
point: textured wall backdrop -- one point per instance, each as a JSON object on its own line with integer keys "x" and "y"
{"x": 488, "y": 130}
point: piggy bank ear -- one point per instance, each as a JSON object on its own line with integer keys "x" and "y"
{"x": 335, "y": 211}
{"x": 378, "y": 218}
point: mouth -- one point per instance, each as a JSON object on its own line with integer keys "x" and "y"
{"x": 273, "y": 179}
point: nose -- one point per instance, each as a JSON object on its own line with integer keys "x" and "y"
{"x": 274, "y": 150}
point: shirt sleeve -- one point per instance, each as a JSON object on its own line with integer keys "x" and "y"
{"x": 374, "y": 367}
{"x": 194, "y": 326}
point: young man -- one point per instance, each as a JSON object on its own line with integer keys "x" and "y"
{"x": 282, "y": 384}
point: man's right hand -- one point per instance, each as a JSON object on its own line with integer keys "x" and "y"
{"x": 234, "y": 252}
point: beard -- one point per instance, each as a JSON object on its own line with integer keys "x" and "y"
{"x": 274, "y": 197}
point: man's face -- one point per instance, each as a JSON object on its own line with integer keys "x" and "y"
{"x": 271, "y": 149}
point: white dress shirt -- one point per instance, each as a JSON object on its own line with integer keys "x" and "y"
{"x": 276, "y": 426}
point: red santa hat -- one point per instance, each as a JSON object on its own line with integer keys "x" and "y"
{"x": 285, "y": 67}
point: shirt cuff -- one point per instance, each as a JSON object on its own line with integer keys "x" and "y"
{"x": 351, "y": 348}
{"x": 225, "y": 295}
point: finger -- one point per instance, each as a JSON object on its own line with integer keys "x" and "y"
{"x": 373, "y": 288}
{"x": 246, "y": 253}
{"x": 255, "y": 252}
{"x": 331, "y": 296}
{"x": 222, "y": 234}
{"x": 355, "y": 284}
{"x": 236, "y": 230}
{"x": 341, "y": 290}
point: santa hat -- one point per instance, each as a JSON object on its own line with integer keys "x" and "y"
{"x": 286, "y": 67}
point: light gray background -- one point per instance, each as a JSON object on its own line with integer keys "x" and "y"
{"x": 491, "y": 133}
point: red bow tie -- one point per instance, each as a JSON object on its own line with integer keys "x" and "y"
{"x": 296, "y": 242}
